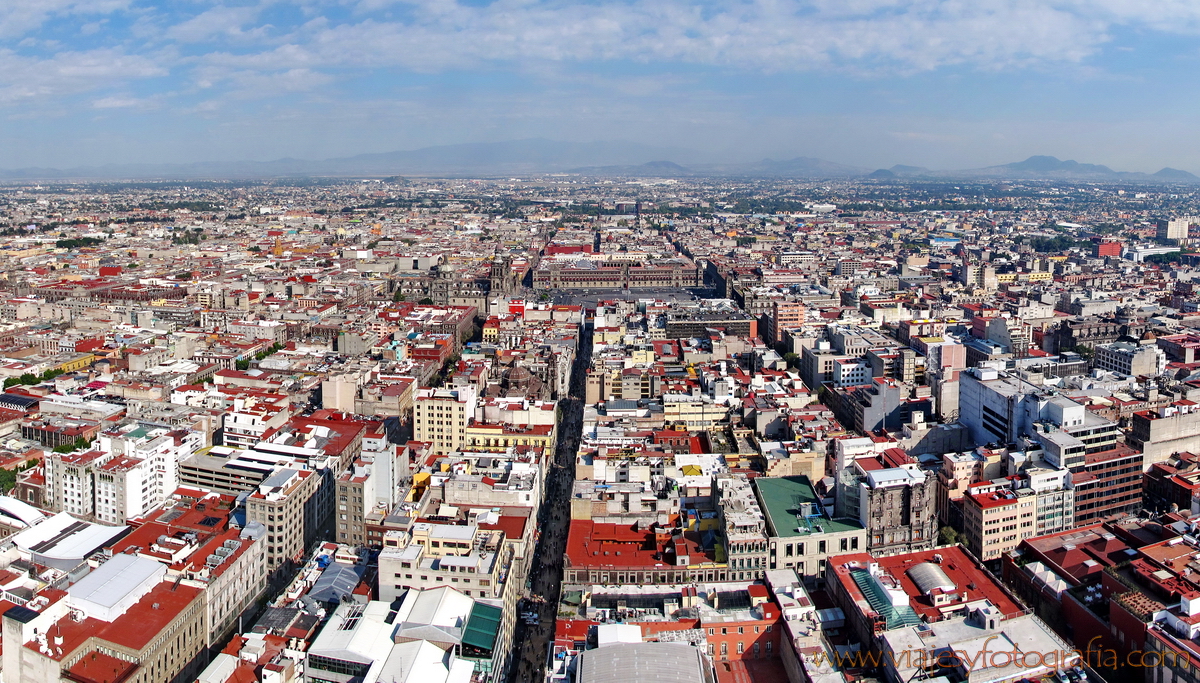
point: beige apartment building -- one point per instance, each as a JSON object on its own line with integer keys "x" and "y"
{"x": 441, "y": 416}
{"x": 998, "y": 521}
{"x": 287, "y": 504}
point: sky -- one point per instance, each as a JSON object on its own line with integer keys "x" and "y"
{"x": 938, "y": 83}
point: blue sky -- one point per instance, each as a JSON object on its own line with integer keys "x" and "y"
{"x": 938, "y": 83}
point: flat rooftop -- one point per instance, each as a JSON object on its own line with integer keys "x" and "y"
{"x": 784, "y": 498}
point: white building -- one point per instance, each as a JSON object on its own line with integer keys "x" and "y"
{"x": 124, "y": 489}
{"x": 1131, "y": 359}
{"x": 161, "y": 449}
{"x": 851, "y": 372}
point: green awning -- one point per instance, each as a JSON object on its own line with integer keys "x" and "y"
{"x": 482, "y": 627}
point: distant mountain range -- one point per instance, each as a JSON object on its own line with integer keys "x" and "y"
{"x": 619, "y": 158}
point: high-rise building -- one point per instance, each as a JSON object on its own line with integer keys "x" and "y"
{"x": 287, "y": 504}
{"x": 785, "y": 315}
{"x": 1106, "y": 247}
{"x": 1175, "y": 228}
{"x": 440, "y": 417}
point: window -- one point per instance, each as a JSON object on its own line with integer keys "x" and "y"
{"x": 854, "y": 543}
{"x": 741, "y": 630}
{"x": 768, "y": 645}
{"x": 756, "y": 628}
{"x": 788, "y": 550}
{"x": 741, "y": 648}
{"x": 724, "y": 631}
{"x": 710, "y": 631}
{"x": 821, "y": 547}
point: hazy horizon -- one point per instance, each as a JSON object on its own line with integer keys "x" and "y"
{"x": 868, "y": 83}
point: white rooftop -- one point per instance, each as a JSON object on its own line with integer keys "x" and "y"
{"x": 442, "y": 606}
{"x": 906, "y": 475}
{"x": 63, "y": 541}
{"x": 115, "y": 586}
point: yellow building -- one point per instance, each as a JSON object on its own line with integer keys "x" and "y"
{"x": 74, "y": 361}
{"x": 499, "y": 437}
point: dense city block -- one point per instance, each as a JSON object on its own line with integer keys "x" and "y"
{"x": 573, "y": 429}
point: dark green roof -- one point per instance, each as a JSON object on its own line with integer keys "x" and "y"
{"x": 482, "y": 626}
{"x": 782, "y": 500}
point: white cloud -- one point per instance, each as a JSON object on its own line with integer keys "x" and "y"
{"x": 27, "y": 79}
{"x": 123, "y": 102}
{"x": 218, "y": 22}
{"x": 773, "y": 35}
{"x": 18, "y": 17}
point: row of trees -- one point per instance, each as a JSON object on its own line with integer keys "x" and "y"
{"x": 30, "y": 379}
{"x": 79, "y": 445}
{"x": 245, "y": 364}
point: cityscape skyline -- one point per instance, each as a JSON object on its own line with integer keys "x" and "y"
{"x": 868, "y": 84}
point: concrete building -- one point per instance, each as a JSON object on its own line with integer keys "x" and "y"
{"x": 250, "y": 419}
{"x": 851, "y": 372}
{"x": 123, "y": 489}
{"x": 286, "y": 503}
{"x": 225, "y": 470}
{"x": 785, "y": 315}
{"x": 1002, "y": 408}
{"x": 998, "y": 521}
{"x": 817, "y": 364}
{"x": 744, "y": 529}
{"x": 441, "y": 416}
{"x": 371, "y": 484}
{"x": 131, "y": 471}
{"x": 801, "y": 533}
{"x": 1133, "y": 360}
{"x": 123, "y": 621}
{"x": 1161, "y": 433}
{"x": 1174, "y": 228}
{"x": 879, "y": 404}
{"x": 959, "y": 471}
{"x": 466, "y": 558}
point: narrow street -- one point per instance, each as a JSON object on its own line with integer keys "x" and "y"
{"x": 531, "y": 642}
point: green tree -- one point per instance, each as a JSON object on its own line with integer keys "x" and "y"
{"x": 426, "y": 301}
{"x": 243, "y": 364}
{"x": 78, "y": 445}
{"x": 792, "y": 359}
{"x": 948, "y": 536}
{"x": 1085, "y": 352}
{"x": 398, "y": 296}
